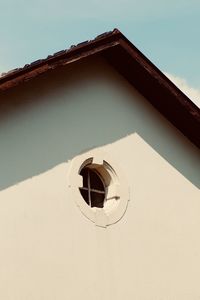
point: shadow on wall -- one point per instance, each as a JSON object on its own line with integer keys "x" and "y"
{"x": 54, "y": 117}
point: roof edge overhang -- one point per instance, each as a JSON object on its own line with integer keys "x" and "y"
{"x": 134, "y": 66}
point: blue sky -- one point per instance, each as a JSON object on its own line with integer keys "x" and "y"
{"x": 167, "y": 32}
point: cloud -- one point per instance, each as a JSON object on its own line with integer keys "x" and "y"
{"x": 192, "y": 93}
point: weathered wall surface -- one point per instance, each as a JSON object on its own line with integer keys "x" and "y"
{"x": 49, "y": 250}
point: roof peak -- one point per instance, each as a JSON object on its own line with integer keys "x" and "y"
{"x": 133, "y": 65}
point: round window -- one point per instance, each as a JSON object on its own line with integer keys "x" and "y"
{"x": 98, "y": 187}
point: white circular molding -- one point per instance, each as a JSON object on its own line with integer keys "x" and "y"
{"x": 117, "y": 195}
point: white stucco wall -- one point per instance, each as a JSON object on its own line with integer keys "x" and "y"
{"x": 49, "y": 250}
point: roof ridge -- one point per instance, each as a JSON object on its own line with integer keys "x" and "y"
{"x": 60, "y": 52}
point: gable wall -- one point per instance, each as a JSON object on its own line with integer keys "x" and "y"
{"x": 49, "y": 249}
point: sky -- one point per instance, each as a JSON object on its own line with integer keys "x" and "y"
{"x": 166, "y": 31}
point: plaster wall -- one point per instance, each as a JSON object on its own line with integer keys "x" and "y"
{"x": 49, "y": 249}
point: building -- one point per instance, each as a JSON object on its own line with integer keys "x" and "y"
{"x": 100, "y": 177}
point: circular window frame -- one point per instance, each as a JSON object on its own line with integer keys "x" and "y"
{"x": 117, "y": 196}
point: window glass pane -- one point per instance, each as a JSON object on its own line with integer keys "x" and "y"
{"x": 84, "y": 173}
{"x": 95, "y": 181}
{"x": 97, "y": 200}
{"x": 84, "y": 194}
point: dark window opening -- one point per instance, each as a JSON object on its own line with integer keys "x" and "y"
{"x": 93, "y": 190}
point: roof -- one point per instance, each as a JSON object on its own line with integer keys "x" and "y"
{"x": 134, "y": 66}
